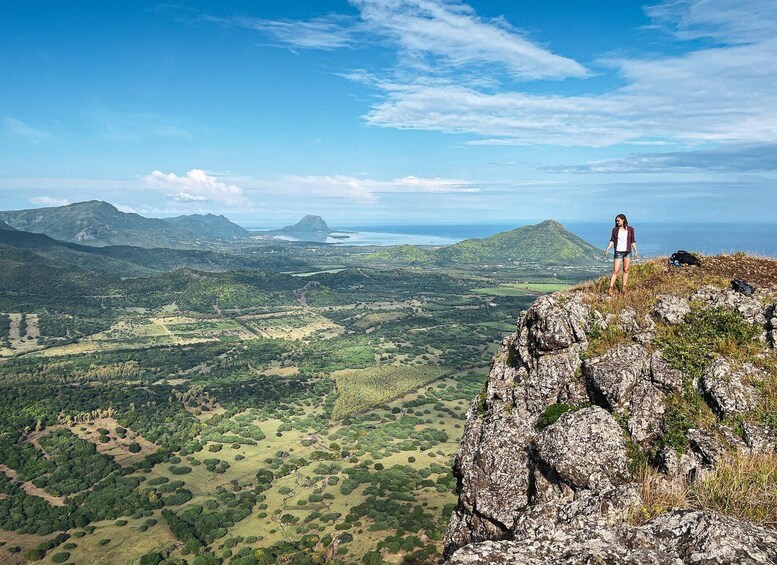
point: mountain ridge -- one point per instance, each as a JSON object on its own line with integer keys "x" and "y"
{"x": 99, "y": 223}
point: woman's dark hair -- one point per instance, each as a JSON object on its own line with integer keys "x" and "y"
{"x": 622, "y": 217}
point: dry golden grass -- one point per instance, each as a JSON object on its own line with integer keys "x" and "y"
{"x": 659, "y": 494}
{"x": 653, "y": 277}
{"x": 648, "y": 280}
{"x": 741, "y": 485}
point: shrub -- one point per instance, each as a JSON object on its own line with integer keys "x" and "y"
{"x": 552, "y": 414}
{"x": 691, "y": 345}
{"x": 60, "y": 557}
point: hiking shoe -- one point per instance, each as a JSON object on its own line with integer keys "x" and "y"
{"x": 623, "y": 291}
{"x": 611, "y": 292}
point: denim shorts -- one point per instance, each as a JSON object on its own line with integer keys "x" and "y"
{"x": 622, "y": 254}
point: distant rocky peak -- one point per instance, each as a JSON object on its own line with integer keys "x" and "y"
{"x": 309, "y": 224}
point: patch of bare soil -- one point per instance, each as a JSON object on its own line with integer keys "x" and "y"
{"x": 116, "y": 447}
{"x": 760, "y": 271}
{"x": 33, "y": 330}
{"x": 31, "y": 489}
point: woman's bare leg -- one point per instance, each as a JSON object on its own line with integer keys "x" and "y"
{"x": 626, "y": 263}
{"x": 615, "y": 269}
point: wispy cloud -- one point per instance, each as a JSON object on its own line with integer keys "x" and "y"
{"x": 327, "y": 32}
{"x": 196, "y": 186}
{"x": 49, "y": 201}
{"x": 727, "y": 159}
{"x": 434, "y": 35}
{"x": 366, "y": 190}
{"x": 722, "y": 95}
{"x": 452, "y": 32}
{"x": 29, "y": 133}
{"x": 729, "y": 21}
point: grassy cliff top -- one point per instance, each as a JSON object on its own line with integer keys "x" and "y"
{"x": 654, "y": 277}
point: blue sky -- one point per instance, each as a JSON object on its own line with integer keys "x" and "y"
{"x": 392, "y": 111}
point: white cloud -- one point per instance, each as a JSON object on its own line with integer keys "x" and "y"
{"x": 366, "y": 190}
{"x": 724, "y": 94}
{"x": 49, "y": 201}
{"x": 452, "y": 31}
{"x": 431, "y": 34}
{"x": 27, "y": 132}
{"x": 196, "y": 186}
{"x": 736, "y": 158}
{"x": 328, "y": 32}
{"x": 729, "y": 21}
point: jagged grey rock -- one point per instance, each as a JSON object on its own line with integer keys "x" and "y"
{"x": 725, "y": 390}
{"x": 533, "y": 368}
{"x": 759, "y": 437}
{"x": 613, "y": 375}
{"x": 705, "y": 445}
{"x": 646, "y": 410}
{"x": 585, "y": 449}
{"x": 562, "y": 495}
{"x": 621, "y": 380}
{"x": 678, "y": 537}
{"x": 671, "y": 309}
{"x": 641, "y": 330}
{"x": 749, "y": 307}
{"x": 663, "y": 375}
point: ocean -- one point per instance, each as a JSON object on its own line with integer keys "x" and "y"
{"x": 653, "y": 238}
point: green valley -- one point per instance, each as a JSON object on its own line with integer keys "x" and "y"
{"x": 240, "y": 415}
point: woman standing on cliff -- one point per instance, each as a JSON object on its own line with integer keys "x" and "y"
{"x": 623, "y": 239}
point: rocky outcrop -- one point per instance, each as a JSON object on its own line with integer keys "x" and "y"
{"x": 584, "y": 449}
{"x": 536, "y": 491}
{"x": 671, "y": 309}
{"x": 749, "y": 307}
{"x": 727, "y": 394}
{"x": 534, "y": 368}
{"x": 677, "y": 537}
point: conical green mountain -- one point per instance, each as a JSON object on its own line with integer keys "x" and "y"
{"x": 545, "y": 243}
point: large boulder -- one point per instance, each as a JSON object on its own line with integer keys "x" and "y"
{"x": 671, "y": 309}
{"x": 533, "y": 368}
{"x": 727, "y": 394}
{"x": 585, "y": 449}
{"x": 612, "y": 376}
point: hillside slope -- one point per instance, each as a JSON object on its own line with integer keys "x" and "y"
{"x": 544, "y": 243}
{"x": 638, "y": 429}
{"x": 98, "y": 223}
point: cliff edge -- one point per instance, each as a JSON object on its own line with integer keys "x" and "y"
{"x": 635, "y": 429}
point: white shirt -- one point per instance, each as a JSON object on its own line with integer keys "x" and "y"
{"x": 623, "y": 239}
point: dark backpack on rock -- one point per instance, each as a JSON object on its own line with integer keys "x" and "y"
{"x": 742, "y": 287}
{"x": 684, "y": 258}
